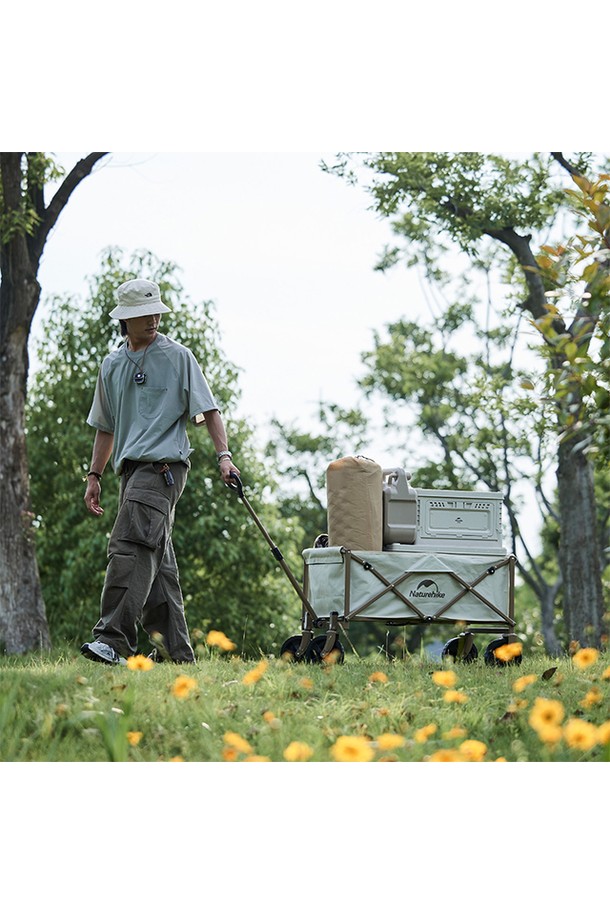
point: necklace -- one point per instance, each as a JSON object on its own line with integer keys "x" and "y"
{"x": 140, "y": 376}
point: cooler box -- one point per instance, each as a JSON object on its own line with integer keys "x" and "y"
{"x": 455, "y": 521}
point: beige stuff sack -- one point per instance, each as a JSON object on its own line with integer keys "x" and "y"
{"x": 354, "y": 488}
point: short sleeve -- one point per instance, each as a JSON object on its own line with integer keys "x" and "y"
{"x": 100, "y": 415}
{"x": 200, "y": 397}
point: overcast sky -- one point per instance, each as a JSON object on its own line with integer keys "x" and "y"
{"x": 285, "y": 251}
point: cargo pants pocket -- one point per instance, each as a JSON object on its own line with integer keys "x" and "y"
{"x": 119, "y": 574}
{"x": 145, "y": 518}
{"x": 120, "y": 569}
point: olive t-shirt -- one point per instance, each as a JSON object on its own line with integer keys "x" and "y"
{"x": 149, "y": 420}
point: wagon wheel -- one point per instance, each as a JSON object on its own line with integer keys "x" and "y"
{"x": 451, "y": 650}
{"x": 314, "y": 652}
{"x": 288, "y": 651}
{"x": 492, "y": 660}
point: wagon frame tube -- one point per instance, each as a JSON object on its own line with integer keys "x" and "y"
{"x": 506, "y": 622}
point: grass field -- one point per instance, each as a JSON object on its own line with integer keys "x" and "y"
{"x": 61, "y": 707}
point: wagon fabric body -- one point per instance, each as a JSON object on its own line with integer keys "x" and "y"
{"x": 407, "y": 586}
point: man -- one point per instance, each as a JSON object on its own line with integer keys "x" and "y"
{"x": 146, "y": 392}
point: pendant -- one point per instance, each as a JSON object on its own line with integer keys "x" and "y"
{"x": 139, "y": 378}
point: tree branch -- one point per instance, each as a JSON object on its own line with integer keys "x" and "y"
{"x": 559, "y": 157}
{"x": 303, "y": 473}
{"x": 519, "y": 245}
{"x": 51, "y": 214}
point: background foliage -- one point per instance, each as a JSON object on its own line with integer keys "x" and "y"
{"x": 229, "y": 579}
{"x": 477, "y": 396}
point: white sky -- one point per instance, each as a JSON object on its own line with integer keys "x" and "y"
{"x": 284, "y": 250}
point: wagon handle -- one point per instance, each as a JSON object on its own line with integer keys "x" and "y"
{"x": 235, "y": 484}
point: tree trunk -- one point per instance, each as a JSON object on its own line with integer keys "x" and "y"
{"x": 23, "y": 624}
{"x": 547, "y": 598}
{"x": 25, "y": 224}
{"x": 579, "y": 553}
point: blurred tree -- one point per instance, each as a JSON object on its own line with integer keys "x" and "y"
{"x": 228, "y": 576}
{"x": 488, "y": 208}
{"x": 485, "y": 431}
{"x": 302, "y": 458}
{"x": 25, "y": 223}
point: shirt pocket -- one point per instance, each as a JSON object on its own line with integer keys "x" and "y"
{"x": 146, "y": 518}
{"x": 151, "y": 401}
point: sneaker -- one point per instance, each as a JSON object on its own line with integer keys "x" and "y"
{"x": 100, "y": 651}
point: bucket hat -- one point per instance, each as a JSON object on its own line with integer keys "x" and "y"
{"x": 137, "y": 298}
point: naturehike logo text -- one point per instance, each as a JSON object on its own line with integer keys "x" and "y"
{"x": 430, "y": 587}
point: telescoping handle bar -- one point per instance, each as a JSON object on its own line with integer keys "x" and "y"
{"x": 236, "y": 485}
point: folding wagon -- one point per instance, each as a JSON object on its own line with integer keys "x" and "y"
{"x": 454, "y": 571}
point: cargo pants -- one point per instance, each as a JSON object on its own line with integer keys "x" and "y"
{"x": 142, "y": 583}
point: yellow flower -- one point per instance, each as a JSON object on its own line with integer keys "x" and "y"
{"x": 520, "y": 684}
{"x": 473, "y": 750}
{"x": 545, "y": 712}
{"x": 297, "y": 751}
{"x": 454, "y": 695}
{"x": 593, "y": 697}
{"x": 390, "y": 741}
{"x": 217, "y": 639}
{"x": 255, "y": 758}
{"x": 453, "y": 733}
{"x": 445, "y": 755}
{"x": 306, "y": 682}
{"x": 606, "y": 674}
{"x": 421, "y": 735}
{"x": 378, "y": 677}
{"x": 214, "y": 637}
{"x": 272, "y": 720}
{"x": 177, "y": 759}
{"x": 134, "y": 737}
{"x": 584, "y": 657}
{"x": 140, "y": 662}
{"x": 183, "y": 686}
{"x": 236, "y": 742}
{"x": 444, "y": 678}
{"x": 229, "y": 754}
{"x": 579, "y": 734}
{"x": 501, "y": 759}
{"x": 509, "y": 651}
{"x": 227, "y": 645}
{"x": 352, "y": 749}
{"x": 254, "y": 675}
{"x": 603, "y": 733}
{"x": 549, "y": 733}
